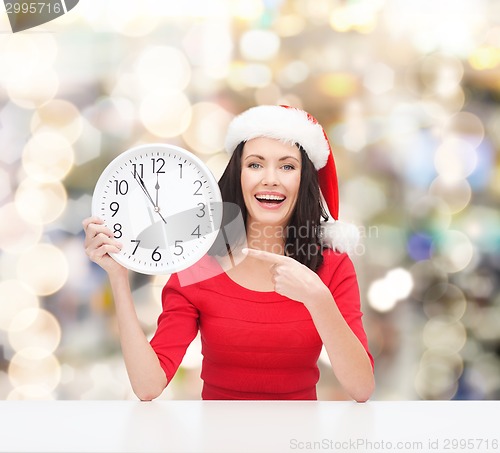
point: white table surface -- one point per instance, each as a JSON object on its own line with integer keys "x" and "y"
{"x": 249, "y": 426}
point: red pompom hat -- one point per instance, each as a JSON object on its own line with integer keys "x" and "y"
{"x": 291, "y": 125}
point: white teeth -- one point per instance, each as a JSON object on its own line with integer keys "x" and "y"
{"x": 269, "y": 197}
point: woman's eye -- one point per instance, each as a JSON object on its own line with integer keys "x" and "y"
{"x": 288, "y": 167}
{"x": 254, "y": 165}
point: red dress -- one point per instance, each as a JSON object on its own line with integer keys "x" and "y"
{"x": 255, "y": 345}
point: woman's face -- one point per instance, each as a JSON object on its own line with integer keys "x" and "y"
{"x": 270, "y": 180}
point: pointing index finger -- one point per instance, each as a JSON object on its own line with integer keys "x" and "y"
{"x": 264, "y": 256}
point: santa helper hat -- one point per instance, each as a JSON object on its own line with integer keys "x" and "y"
{"x": 291, "y": 125}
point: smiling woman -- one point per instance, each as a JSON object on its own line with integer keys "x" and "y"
{"x": 264, "y": 313}
{"x": 270, "y": 179}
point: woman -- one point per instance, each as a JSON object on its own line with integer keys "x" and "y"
{"x": 263, "y": 321}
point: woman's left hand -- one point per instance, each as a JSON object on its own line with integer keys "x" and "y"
{"x": 291, "y": 278}
{"x": 348, "y": 357}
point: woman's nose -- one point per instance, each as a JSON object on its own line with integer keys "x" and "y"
{"x": 270, "y": 177}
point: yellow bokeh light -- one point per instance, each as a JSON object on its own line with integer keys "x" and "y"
{"x": 48, "y": 157}
{"x": 443, "y": 333}
{"x": 36, "y": 330}
{"x": 208, "y": 127}
{"x": 162, "y": 69}
{"x": 127, "y": 18}
{"x": 33, "y": 89}
{"x": 26, "y": 71}
{"x": 379, "y": 78}
{"x": 495, "y": 181}
{"x": 218, "y": 163}
{"x": 15, "y": 297}
{"x": 23, "y": 53}
{"x": 436, "y": 381}
{"x": 244, "y": 75}
{"x": 438, "y": 373}
{"x": 441, "y": 107}
{"x": 295, "y": 72}
{"x": 465, "y": 125}
{"x": 17, "y": 235}
{"x": 40, "y": 203}
{"x": 212, "y": 43}
{"x": 58, "y": 115}
{"x": 287, "y": 25}
{"x": 139, "y": 20}
{"x": 456, "y": 194}
{"x": 340, "y": 20}
{"x": 268, "y": 95}
{"x": 44, "y": 269}
{"x": 359, "y": 16}
{"x": 262, "y": 45}
{"x": 455, "y": 159}
{"x": 18, "y": 50}
{"x": 30, "y": 393}
{"x": 444, "y": 299}
{"x": 166, "y": 115}
{"x": 131, "y": 18}
{"x": 486, "y": 57}
{"x": 234, "y": 79}
{"x": 246, "y": 9}
{"x": 441, "y": 74}
{"x": 34, "y": 377}
{"x": 338, "y": 85}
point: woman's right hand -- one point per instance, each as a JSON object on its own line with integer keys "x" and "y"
{"x": 99, "y": 242}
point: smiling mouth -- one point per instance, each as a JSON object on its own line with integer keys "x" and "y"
{"x": 272, "y": 199}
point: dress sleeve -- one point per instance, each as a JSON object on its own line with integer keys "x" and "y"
{"x": 177, "y": 327}
{"x": 340, "y": 277}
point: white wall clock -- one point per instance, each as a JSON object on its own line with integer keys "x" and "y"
{"x": 163, "y": 204}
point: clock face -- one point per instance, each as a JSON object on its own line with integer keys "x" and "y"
{"x": 163, "y": 204}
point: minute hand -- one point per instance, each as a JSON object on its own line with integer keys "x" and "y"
{"x": 140, "y": 181}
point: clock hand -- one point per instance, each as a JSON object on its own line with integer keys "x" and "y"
{"x": 143, "y": 187}
{"x": 140, "y": 181}
{"x": 157, "y": 187}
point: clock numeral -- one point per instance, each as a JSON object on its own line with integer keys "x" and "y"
{"x": 156, "y": 255}
{"x": 141, "y": 171}
{"x": 202, "y": 207}
{"x": 114, "y": 206}
{"x": 121, "y": 187}
{"x": 137, "y": 245}
{"x": 117, "y": 230}
{"x": 200, "y": 184}
{"x": 196, "y": 232}
{"x": 160, "y": 162}
{"x": 179, "y": 249}
{"x": 180, "y": 171}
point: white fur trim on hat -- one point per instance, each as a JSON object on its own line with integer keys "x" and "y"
{"x": 288, "y": 125}
{"x": 340, "y": 236}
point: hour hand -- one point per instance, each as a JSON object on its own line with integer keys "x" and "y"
{"x": 157, "y": 187}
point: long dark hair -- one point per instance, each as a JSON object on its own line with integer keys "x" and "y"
{"x": 302, "y": 232}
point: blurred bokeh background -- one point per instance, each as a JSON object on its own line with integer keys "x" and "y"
{"x": 408, "y": 92}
